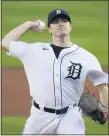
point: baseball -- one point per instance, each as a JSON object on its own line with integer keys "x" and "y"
{"x": 40, "y": 27}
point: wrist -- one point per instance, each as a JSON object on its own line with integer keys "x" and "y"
{"x": 27, "y": 25}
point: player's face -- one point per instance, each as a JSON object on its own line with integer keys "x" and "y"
{"x": 60, "y": 27}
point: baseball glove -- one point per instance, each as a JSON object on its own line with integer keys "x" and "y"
{"x": 93, "y": 108}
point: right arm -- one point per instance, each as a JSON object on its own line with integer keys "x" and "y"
{"x": 16, "y": 33}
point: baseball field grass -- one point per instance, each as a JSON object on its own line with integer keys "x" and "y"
{"x": 89, "y": 22}
{"x": 90, "y": 31}
{"x": 15, "y": 125}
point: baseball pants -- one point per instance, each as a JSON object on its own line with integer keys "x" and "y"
{"x": 41, "y": 122}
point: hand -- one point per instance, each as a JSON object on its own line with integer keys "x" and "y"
{"x": 38, "y": 26}
{"x": 34, "y": 24}
{"x": 29, "y": 25}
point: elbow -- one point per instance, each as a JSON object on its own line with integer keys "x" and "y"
{"x": 4, "y": 44}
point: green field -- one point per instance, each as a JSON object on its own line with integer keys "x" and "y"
{"x": 14, "y": 125}
{"x": 90, "y": 31}
{"x": 89, "y": 21}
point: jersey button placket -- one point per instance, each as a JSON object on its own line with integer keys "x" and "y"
{"x": 57, "y": 75}
{"x": 57, "y": 82}
{"x": 57, "y": 79}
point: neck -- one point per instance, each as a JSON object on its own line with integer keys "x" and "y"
{"x": 62, "y": 41}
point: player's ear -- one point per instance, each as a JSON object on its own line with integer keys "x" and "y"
{"x": 49, "y": 30}
{"x": 71, "y": 27}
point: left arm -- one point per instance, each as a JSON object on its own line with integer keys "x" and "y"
{"x": 103, "y": 92}
{"x": 99, "y": 91}
{"x": 94, "y": 103}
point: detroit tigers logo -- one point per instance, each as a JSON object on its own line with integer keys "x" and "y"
{"x": 74, "y": 71}
{"x": 58, "y": 11}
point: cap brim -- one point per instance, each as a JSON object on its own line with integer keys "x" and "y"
{"x": 61, "y": 16}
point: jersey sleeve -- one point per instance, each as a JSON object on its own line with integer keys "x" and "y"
{"x": 95, "y": 72}
{"x": 18, "y": 49}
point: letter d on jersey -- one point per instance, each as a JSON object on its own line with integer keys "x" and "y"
{"x": 74, "y": 71}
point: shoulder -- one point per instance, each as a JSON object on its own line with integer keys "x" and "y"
{"x": 85, "y": 53}
{"x": 40, "y": 44}
{"x": 29, "y": 45}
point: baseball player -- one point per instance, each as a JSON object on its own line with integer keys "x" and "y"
{"x": 56, "y": 74}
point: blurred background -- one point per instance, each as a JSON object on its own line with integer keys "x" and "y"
{"x": 90, "y": 31}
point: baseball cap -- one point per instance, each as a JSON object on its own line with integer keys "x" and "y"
{"x": 58, "y": 13}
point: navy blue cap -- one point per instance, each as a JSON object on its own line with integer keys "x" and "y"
{"x": 58, "y": 13}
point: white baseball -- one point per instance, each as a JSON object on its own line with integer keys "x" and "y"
{"x": 40, "y": 27}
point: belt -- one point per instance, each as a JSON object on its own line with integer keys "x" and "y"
{"x": 59, "y": 111}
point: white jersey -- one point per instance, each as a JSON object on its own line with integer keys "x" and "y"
{"x": 56, "y": 82}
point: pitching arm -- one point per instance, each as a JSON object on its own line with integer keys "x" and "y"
{"x": 16, "y": 33}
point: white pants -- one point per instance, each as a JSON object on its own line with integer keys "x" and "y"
{"x": 41, "y": 122}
